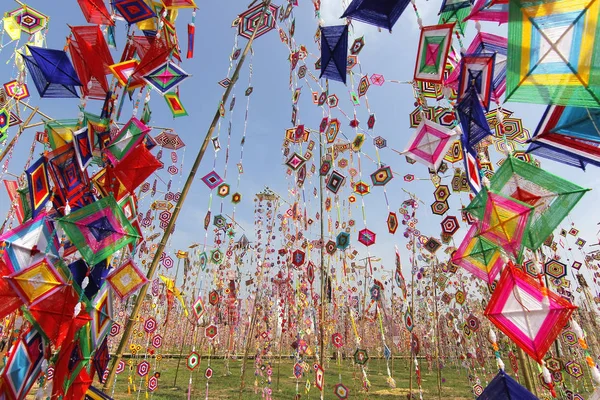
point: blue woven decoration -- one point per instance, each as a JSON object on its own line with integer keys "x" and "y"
{"x": 334, "y": 52}
{"x": 503, "y": 387}
{"x": 471, "y": 164}
{"x": 568, "y": 135}
{"x": 562, "y": 156}
{"x": 450, "y": 5}
{"x": 381, "y": 13}
{"x": 487, "y": 43}
{"x": 577, "y": 122}
{"x": 472, "y": 117}
{"x": 52, "y": 73}
{"x": 96, "y": 276}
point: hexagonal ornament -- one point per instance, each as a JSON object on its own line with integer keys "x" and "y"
{"x": 341, "y": 391}
{"x": 150, "y": 325}
{"x": 223, "y": 190}
{"x": 157, "y": 341}
{"x": 554, "y": 364}
{"x": 337, "y": 339}
{"x": 362, "y": 188}
{"x": 193, "y": 360}
{"x": 450, "y": 225}
{"x": 211, "y": 331}
{"x": 152, "y": 383}
{"x": 441, "y": 193}
{"x": 213, "y": 297}
{"x": 555, "y": 269}
{"x": 361, "y": 356}
{"x": 440, "y": 207}
{"x": 143, "y": 368}
{"x": 574, "y": 369}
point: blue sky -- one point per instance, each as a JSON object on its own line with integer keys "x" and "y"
{"x": 269, "y": 115}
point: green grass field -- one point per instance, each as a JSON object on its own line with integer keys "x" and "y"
{"x": 222, "y": 386}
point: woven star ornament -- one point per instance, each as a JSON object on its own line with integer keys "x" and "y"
{"x": 527, "y": 313}
{"x": 478, "y": 255}
{"x": 505, "y": 221}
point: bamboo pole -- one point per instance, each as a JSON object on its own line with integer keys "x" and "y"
{"x": 412, "y": 306}
{"x": 257, "y": 300}
{"x": 184, "y": 192}
{"x": 322, "y": 322}
{"x": 436, "y": 329}
{"x": 525, "y": 367}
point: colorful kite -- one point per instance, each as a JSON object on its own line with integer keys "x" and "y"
{"x": 98, "y": 230}
{"x": 552, "y": 197}
{"x": 52, "y": 73}
{"x": 381, "y": 13}
{"x": 479, "y": 256}
{"x": 520, "y": 309}
{"x": 553, "y": 68}
{"x": 430, "y": 143}
{"x": 334, "y": 52}
{"x": 432, "y": 52}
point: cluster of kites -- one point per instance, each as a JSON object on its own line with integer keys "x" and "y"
{"x": 90, "y": 273}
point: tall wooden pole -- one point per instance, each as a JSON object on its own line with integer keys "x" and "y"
{"x": 436, "y": 328}
{"x": 258, "y": 298}
{"x": 322, "y": 319}
{"x": 184, "y": 192}
{"x": 528, "y": 383}
{"x": 412, "y": 310}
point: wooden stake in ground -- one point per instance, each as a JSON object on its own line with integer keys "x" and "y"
{"x": 169, "y": 229}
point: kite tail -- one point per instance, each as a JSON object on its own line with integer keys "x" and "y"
{"x": 169, "y": 306}
{"x": 191, "y": 36}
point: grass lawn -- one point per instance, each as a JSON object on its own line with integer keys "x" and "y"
{"x": 222, "y": 386}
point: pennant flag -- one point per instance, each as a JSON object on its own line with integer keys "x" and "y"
{"x": 175, "y": 105}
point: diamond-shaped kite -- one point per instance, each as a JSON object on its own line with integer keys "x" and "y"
{"x": 126, "y": 279}
{"x": 334, "y": 52}
{"x": 551, "y": 53}
{"x": 381, "y": 13}
{"x": 166, "y": 77}
{"x": 52, "y": 72}
{"x": 479, "y": 256}
{"x": 430, "y": 144}
{"x": 434, "y": 45}
{"x": 551, "y": 196}
{"x": 518, "y": 308}
{"x": 99, "y": 229}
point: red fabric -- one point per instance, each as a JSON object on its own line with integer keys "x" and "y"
{"x": 61, "y": 368}
{"x": 95, "y": 12}
{"x": 54, "y": 315}
{"x": 9, "y": 301}
{"x": 136, "y": 167}
{"x": 191, "y": 38}
{"x": 91, "y": 58}
{"x": 112, "y": 184}
{"x": 80, "y": 385}
{"x": 157, "y": 54}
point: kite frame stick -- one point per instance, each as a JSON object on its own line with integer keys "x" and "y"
{"x": 22, "y": 127}
{"x": 184, "y": 192}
